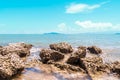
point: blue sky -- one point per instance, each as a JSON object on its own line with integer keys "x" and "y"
{"x": 64, "y": 16}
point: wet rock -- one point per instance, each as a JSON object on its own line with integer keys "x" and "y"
{"x": 94, "y": 66}
{"x": 20, "y": 49}
{"x": 81, "y": 52}
{"x": 62, "y": 47}
{"x": 47, "y": 54}
{"x": 94, "y": 50}
{"x": 90, "y": 63}
{"x": 64, "y": 66}
{"x": 74, "y": 58}
{"x": 10, "y": 65}
{"x": 115, "y": 68}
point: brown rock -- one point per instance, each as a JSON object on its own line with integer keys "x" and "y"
{"x": 47, "y": 54}
{"x": 91, "y": 63}
{"x": 64, "y": 66}
{"x": 74, "y": 58}
{"x": 10, "y": 65}
{"x": 62, "y": 47}
{"x": 115, "y": 67}
{"x": 94, "y": 66}
{"x": 20, "y": 49}
{"x": 94, "y": 50}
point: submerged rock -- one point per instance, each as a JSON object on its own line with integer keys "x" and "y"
{"x": 20, "y": 49}
{"x": 94, "y": 50}
{"x": 62, "y": 47}
{"x": 47, "y": 54}
{"x": 10, "y": 65}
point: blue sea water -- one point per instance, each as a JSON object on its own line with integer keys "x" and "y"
{"x": 43, "y": 40}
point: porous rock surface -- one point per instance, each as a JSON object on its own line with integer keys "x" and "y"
{"x": 11, "y": 61}
{"x": 48, "y": 54}
{"x": 77, "y": 60}
{"x": 62, "y": 47}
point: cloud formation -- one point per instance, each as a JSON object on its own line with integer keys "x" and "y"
{"x": 94, "y": 25}
{"x": 90, "y": 26}
{"x": 78, "y": 8}
{"x": 62, "y": 27}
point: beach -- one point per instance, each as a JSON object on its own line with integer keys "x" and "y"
{"x": 36, "y": 70}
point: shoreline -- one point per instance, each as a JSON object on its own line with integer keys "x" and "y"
{"x": 34, "y": 66}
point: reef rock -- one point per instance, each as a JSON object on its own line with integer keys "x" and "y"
{"x": 116, "y": 67}
{"x": 48, "y": 54}
{"x": 10, "y": 65}
{"x": 74, "y": 58}
{"x": 62, "y": 47}
{"x": 20, "y": 49}
{"x": 94, "y": 50}
{"x": 94, "y": 66}
{"x": 64, "y": 66}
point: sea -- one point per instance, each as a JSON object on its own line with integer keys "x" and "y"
{"x": 109, "y": 43}
{"x": 43, "y": 40}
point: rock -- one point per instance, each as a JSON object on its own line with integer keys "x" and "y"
{"x": 20, "y": 49}
{"x": 68, "y": 67}
{"x": 10, "y": 65}
{"x": 94, "y": 50}
{"x": 47, "y": 54}
{"x": 115, "y": 67}
{"x": 81, "y": 52}
{"x": 74, "y": 58}
{"x": 62, "y": 47}
{"x": 94, "y": 66}
{"x": 90, "y": 63}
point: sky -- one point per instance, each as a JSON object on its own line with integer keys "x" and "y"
{"x": 63, "y": 16}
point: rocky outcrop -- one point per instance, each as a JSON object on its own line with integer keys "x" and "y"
{"x": 64, "y": 66}
{"x": 94, "y": 50}
{"x": 11, "y": 59}
{"x": 74, "y": 58}
{"x": 48, "y": 54}
{"x": 10, "y": 65}
{"x": 62, "y": 47}
{"x": 115, "y": 68}
{"x": 20, "y": 49}
{"x": 83, "y": 59}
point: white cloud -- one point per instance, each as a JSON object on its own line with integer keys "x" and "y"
{"x": 78, "y": 8}
{"x": 91, "y": 26}
{"x": 94, "y": 25}
{"x": 62, "y": 27}
{"x": 87, "y": 26}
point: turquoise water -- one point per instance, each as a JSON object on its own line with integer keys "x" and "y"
{"x": 43, "y": 40}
